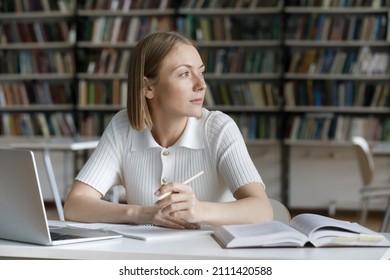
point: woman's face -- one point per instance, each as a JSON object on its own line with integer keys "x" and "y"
{"x": 180, "y": 89}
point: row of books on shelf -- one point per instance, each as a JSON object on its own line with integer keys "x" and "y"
{"x": 93, "y": 124}
{"x": 20, "y": 93}
{"x": 339, "y": 3}
{"x": 251, "y": 93}
{"x": 257, "y": 126}
{"x": 339, "y": 61}
{"x": 219, "y": 28}
{"x": 37, "y": 124}
{"x": 37, "y": 61}
{"x": 217, "y": 61}
{"x": 68, "y": 5}
{"x": 230, "y": 27}
{"x": 338, "y": 128}
{"x": 126, "y": 5}
{"x": 334, "y": 93}
{"x": 237, "y": 4}
{"x": 185, "y": 4}
{"x": 36, "y": 31}
{"x": 123, "y": 29}
{"x": 241, "y": 60}
{"x": 112, "y": 92}
{"x": 328, "y": 27}
{"x": 12, "y": 6}
{"x": 106, "y": 61}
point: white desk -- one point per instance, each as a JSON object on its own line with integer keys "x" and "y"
{"x": 65, "y": 145}
{"x": 199, "y": 247}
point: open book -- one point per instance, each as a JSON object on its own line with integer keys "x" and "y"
{"x": 142, "y": 232}
{"x": 304, "y": 229}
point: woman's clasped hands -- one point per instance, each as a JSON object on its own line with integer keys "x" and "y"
{"x": 177, "y": 206}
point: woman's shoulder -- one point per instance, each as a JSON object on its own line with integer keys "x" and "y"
{"x": 219, "y": 126}
{"x": 215, "y": 119}
{"x": 119, "y": 126}
{"x": 120, "y": 119}
{"x": 120, "y": 115}
{"x": 118, "y": 130}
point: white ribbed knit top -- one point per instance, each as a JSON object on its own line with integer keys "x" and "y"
{"x": 132, "y": 158}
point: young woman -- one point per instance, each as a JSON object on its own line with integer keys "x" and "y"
{"x": 163, "y": 138}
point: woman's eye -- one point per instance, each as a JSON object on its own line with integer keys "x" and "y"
{"x": 185, "y": 74}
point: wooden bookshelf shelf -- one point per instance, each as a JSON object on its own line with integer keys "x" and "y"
{"x": 128, "y": 13}
{"x": 105, "y": 76}
{"x": 331, "y": 44}
{"x": 38, "y": 77}
{"x": 341, "y": 109}
{"x": 336, "y": 10}
{"x": 239, "y": 43}
{"x": 230, "y": 11}
{"x": 36, "y": 15}
{"x": 356, "y": 77}
{"x": 248, "y": 108}
{"x": 243, "y": 76}
{"x": 37, "y": 45}
{"x": 37, "y": 107}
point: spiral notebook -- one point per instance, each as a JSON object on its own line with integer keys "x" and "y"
{"x": 143, "y": 232}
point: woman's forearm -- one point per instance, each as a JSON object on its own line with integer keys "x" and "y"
{"x": 92, "y": 210}
{"x": 246, "y": 210}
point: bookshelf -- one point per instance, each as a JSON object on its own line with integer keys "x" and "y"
{"x": 37, "y": 68}
{"x": 337, "y": 79}
{"x": 336, "y": 85}
{"x": 293, "y": 82}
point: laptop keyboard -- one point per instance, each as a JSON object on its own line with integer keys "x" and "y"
{"x": 61, "y": 236}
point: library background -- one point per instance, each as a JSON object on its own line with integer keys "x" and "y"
{"x": 299, "y": 77}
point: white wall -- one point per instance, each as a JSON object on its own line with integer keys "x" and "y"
{"x": 320, "y": 176}
{"x": 60, "y": 166}
{"x": 267, "y": 160}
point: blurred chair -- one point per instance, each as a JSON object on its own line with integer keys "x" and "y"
{"x": 369, "y": 190}
{"x": 281, "y": 212}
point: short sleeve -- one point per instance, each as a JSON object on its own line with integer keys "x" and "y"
{"x": 228, "y": 149}
{"x": 103, "y": 169}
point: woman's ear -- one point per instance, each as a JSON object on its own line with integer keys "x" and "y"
{"x": 148, "y": 91}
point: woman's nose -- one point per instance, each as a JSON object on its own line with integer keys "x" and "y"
{"x": 200, "y": 83}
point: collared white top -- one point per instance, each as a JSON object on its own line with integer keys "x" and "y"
{"x": 213, "y": 143}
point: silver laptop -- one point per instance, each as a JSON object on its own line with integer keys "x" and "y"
{"x": 22, "y": 211}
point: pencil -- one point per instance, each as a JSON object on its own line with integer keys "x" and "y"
{"x": 192, "y": 178}
{"x": 184, "y": 183}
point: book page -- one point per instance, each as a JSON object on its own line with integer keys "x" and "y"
{"x": 308, "y": 223}
{"x": 326, "y": 231}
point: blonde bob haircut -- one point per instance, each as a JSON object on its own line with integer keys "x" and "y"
{"x": 145, "y": 61}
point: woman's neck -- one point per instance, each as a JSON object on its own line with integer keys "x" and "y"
{"x": 166, "y": 133}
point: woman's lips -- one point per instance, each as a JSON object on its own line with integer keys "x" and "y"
{"x": 197, "y": 101}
